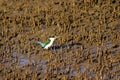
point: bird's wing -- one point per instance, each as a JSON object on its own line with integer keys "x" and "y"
{"x": 46, "y": 43}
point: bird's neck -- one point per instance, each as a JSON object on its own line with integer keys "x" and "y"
{"x": 51, "y": 41}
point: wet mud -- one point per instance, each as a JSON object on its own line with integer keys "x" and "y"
{"x": 88, "y": 49}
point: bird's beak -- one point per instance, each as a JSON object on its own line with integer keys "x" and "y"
{"x": 56, "y": 36}
{"x": 59, "y": 36}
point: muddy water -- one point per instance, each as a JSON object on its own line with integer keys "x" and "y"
{"x": 89, "y": 46}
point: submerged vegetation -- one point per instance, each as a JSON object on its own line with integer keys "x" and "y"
{"x": 88, "y": 49}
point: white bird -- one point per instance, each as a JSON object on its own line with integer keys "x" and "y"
{"x": 47, "y": 44}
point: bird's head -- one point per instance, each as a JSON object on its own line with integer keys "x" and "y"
{"x": 53, "y": 38}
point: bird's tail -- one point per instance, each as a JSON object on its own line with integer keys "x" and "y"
{"x": 40, "y": 43}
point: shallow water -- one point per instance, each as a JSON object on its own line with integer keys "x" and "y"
{"x": 25, "y": 59}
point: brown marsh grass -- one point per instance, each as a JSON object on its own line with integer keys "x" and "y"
{"x": 88, "y": 49}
